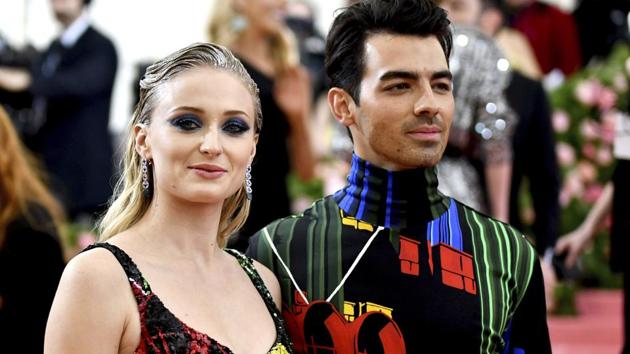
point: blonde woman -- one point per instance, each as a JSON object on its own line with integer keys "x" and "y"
{"x": 161, "y": 281}
{"x": 255, "y": 31}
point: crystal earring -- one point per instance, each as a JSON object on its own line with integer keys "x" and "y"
{"x": 145, "y": 178}
{"x": 248, "y": 182}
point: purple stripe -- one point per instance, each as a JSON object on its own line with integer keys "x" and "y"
{"x": 388, "y": 209}
{"x": 363, "y": 193}
{"x": 456, "y": 231}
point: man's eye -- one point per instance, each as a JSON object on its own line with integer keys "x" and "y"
{"x": 442, "y": 86}
{"x": 398, "y": 87}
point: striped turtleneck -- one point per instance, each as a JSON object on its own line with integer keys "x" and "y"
{"x": 393, "y": 199}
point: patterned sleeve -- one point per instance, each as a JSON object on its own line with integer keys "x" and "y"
{"x": 528, "y": 332}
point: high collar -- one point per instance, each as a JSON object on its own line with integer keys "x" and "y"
{"x": 393, "y": 199}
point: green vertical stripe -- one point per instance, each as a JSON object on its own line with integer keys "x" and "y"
{"x": 333, "y": 250}
{"x": 480, "y": 288}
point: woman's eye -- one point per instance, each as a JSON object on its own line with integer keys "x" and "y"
{"x": 186, "y": 123}
{"x": 235, "y": 127}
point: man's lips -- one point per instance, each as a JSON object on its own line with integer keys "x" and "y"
{"x": 430, "y": 132}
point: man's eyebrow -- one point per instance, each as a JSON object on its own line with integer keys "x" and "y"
{"x": 412, "y": 75}
{"x": 399, "y": 74}
{"x": 443, "y": 74}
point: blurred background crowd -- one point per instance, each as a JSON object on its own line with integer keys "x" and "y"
{"x": 540, "y": 133}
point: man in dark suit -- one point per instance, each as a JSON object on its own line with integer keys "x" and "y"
{"x": 72, "y": 83}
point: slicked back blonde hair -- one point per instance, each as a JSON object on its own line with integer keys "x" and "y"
{"x": 129, "y": 203}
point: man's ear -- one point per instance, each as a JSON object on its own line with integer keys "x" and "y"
{"x": 342, "y": 106}
{"x": 143, "y": 143}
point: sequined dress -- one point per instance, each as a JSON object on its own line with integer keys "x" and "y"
{"x": 483, "y": 123}
{"x": 162, "y": 332}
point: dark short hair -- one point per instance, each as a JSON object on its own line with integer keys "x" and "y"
{"x": 345, "y": 44}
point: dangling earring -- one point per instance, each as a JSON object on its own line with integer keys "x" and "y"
{"x": 248, "y": 182}
{"x": 146, "y": 190}
{"x": 238, "y": 23}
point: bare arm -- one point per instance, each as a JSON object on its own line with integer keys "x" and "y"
{"x": 270, "y": 282}
{"x": 88, "y": 313}
{"x": 498, "y": 179}
{"x": 574, "y": 242}
{"x": 14, "y": 80}
{"x": 293, "y": 95}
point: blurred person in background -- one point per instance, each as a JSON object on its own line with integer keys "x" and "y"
{"x": 552, "y": 34}
{"x": 31, "y": 257}
{"x": 72, "y": 83}
{"x": 477, "y": 164}
{"x": 533, "y": 142}
{"x": 161, "y": 281}
{"x": 255, "y": 31}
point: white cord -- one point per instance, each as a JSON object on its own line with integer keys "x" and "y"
{"x": 345, "y": 277}
{"x": 354, "y": 264}
{"x": 275, "y": 251}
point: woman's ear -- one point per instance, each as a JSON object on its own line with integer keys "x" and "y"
{"x": 253, "y": 152}
{"x": 143, "y": 146}
{"x": 342, "y": 106}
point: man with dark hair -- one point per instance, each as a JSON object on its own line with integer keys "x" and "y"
{"x": 72, "y": 83}
{"x": 388, "y": 264}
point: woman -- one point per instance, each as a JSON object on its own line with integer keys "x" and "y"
{"x": 183, "y": 191}
{"x": 31, "y": 258}
{"x": 254, "y": 30}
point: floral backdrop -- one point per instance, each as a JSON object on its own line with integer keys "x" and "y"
{"x": 585, "y": 110}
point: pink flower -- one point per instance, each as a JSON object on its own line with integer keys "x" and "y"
{"x": 604, "y": 156}
{"x": 560, "y": 121}
{"x": 592, "y": 193}
{"x": 609, "y": 119}
{"x": 587, "y": 92}
{"x": 589, "y": 129}
{"x": 589, "y": 151}
{"x": 587, "y": 172}
{"x": 574, "y": 185}
{"x": 607, "y": 99}
{"x": 565, "y": 153}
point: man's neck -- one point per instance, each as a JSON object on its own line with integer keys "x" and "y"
{"x": 394, "y": 199}
{"x": 75, "y": 29}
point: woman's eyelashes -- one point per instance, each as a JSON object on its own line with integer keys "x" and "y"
{"x": 186, "y": 122}
{"x": 235, "y": 126}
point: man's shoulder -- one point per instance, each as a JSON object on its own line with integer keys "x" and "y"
{"x": 488, "y": 225}
{"x": 97, "y": 39}
{"x": 320, "y": 212}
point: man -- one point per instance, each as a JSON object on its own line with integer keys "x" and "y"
{"x": 388, "y": 264}
{"x": 72, "y": 83}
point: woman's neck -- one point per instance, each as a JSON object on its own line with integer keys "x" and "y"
{"x": 176, "y": 228}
